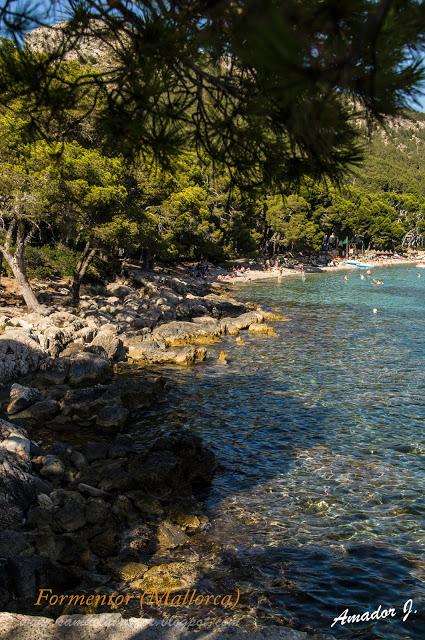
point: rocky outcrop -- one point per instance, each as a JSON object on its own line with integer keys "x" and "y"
{"x": 18, "y": 485}
{"x": 232, "y": 326}
{"x": 178, "y": 334}
{"x": 150, "y": 352}
{"x": 112, "y": 626}
{"x": 22, "y": 397}
{"x": 20, "y": 353}
{"x": 148, "y": 318}
{"x": 82, "y": 508}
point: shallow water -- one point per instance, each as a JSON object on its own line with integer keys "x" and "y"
{"x": 320, "y": 434}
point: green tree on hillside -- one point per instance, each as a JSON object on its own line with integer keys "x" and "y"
{"x": 272, "y": 89}
{"x": 27, "y": 176}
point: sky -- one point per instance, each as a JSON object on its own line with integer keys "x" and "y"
{"x": 57, "y": 11}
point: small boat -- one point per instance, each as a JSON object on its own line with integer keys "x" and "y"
{"x": 359, "y": 264}
{"x": 420, "y": 265}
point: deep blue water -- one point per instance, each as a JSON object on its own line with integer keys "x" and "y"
{"x": 321, "y": 436}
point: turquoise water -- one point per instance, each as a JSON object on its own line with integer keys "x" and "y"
{"x": 319, "y": 505}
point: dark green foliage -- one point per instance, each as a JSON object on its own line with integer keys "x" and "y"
{"x": 271, "y": 89}
{"x": 49, "y": 262}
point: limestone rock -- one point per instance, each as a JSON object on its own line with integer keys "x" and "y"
{"x": 232, "y": 325}
{"x": 112, "y": 417}
{"x": 114, "y": 627}
{"x": 111, "y": 343}
{"x": 105, "y": 543}
{"x": 14, "y": 440}
{"x": 177, "y": 334}
{"x": 174, "y": 576}
{"x": 118, "y": 290}
{"x": 262, "y": 329}
{"x": 53, "y": 468}
{"x": 72, "y": 513}
{"x": 22, "y": 397}
{"x": 222, "y": 357}
{"x": 169, "y": 536}
{"x": 18, "y": 486}
{"x": 97, "y": 510}
{"x": 40, "y": 411}
{"x": 87, "y": 368}
{"x": 54, "y": 370}
{"x": 20, "y": 353}
{"x": 131, "y": 571}
{"x": 147, "y": 352}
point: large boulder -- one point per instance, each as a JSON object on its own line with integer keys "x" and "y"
{"x": 87, "y": 369}
{"x": 112, "y": 626}
{"x": 177, "y": 334}
{"x": 18, "y": 486}
{"x": 22, "y": 397}
{"x": 233, "y": 325}
{"x": 138, "y": 392}
{"x": 14, "y": 440}
{"x": 112, "y": 345}
{"x": 117, "y": 290}
{"x": 177, "y": 464}
{"x": 38, "y": 412}
{"x": 20, "y": 353}
{"x": 174, "y": 576}
{"x": 54, "y": 371}
{"x": 149, "y": 352}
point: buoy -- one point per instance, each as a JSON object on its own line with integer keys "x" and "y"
{"x": 375, "y": 310}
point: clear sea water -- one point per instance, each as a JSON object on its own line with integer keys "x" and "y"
{"x": 319, "y": 505}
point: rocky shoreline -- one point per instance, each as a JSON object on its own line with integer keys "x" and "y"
{"x": 82, "y": 507}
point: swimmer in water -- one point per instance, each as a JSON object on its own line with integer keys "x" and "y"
{"x": 346, "y": 278}
{"x": 362, "y": 277}
{"x": 375, "y": 281}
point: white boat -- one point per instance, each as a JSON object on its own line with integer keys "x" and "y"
{"x": 359, "y": 264}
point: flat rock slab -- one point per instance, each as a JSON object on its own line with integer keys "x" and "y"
{"x": 111, "y": 626}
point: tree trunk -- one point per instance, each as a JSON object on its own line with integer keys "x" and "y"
{"x": 17, "y": 265}
{"x": 83, "y": 264}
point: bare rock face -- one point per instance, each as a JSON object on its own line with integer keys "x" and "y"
{"x": 39, "y": 411}
{"x": 87, "y": 368}
{"x": 18, "y": 486}
{"x": 233, "y": 325}
{"x": 20, "y": 353}
{"x": 113, "y": 626}
{"x": 149, "y": 352}
{"x": 177, "y": 334}
{"x": 116, "y": 290}
{"x": 169, "y": 536}
{"x": 111, "y": 344}
{"x": 22, "y": 397}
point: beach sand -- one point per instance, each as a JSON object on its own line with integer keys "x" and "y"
{"x": 283, "y": 273}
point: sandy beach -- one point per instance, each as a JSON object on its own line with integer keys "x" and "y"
{"x": 258, "y": 274}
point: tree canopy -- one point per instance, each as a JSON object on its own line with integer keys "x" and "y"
{"x": 206, "y": 129}
{"x": 272, "y": 89}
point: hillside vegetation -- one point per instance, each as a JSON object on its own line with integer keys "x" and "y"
{"x": 175, "y": 150}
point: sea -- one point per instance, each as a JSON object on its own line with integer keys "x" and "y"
{"x": 318, "y": 505}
